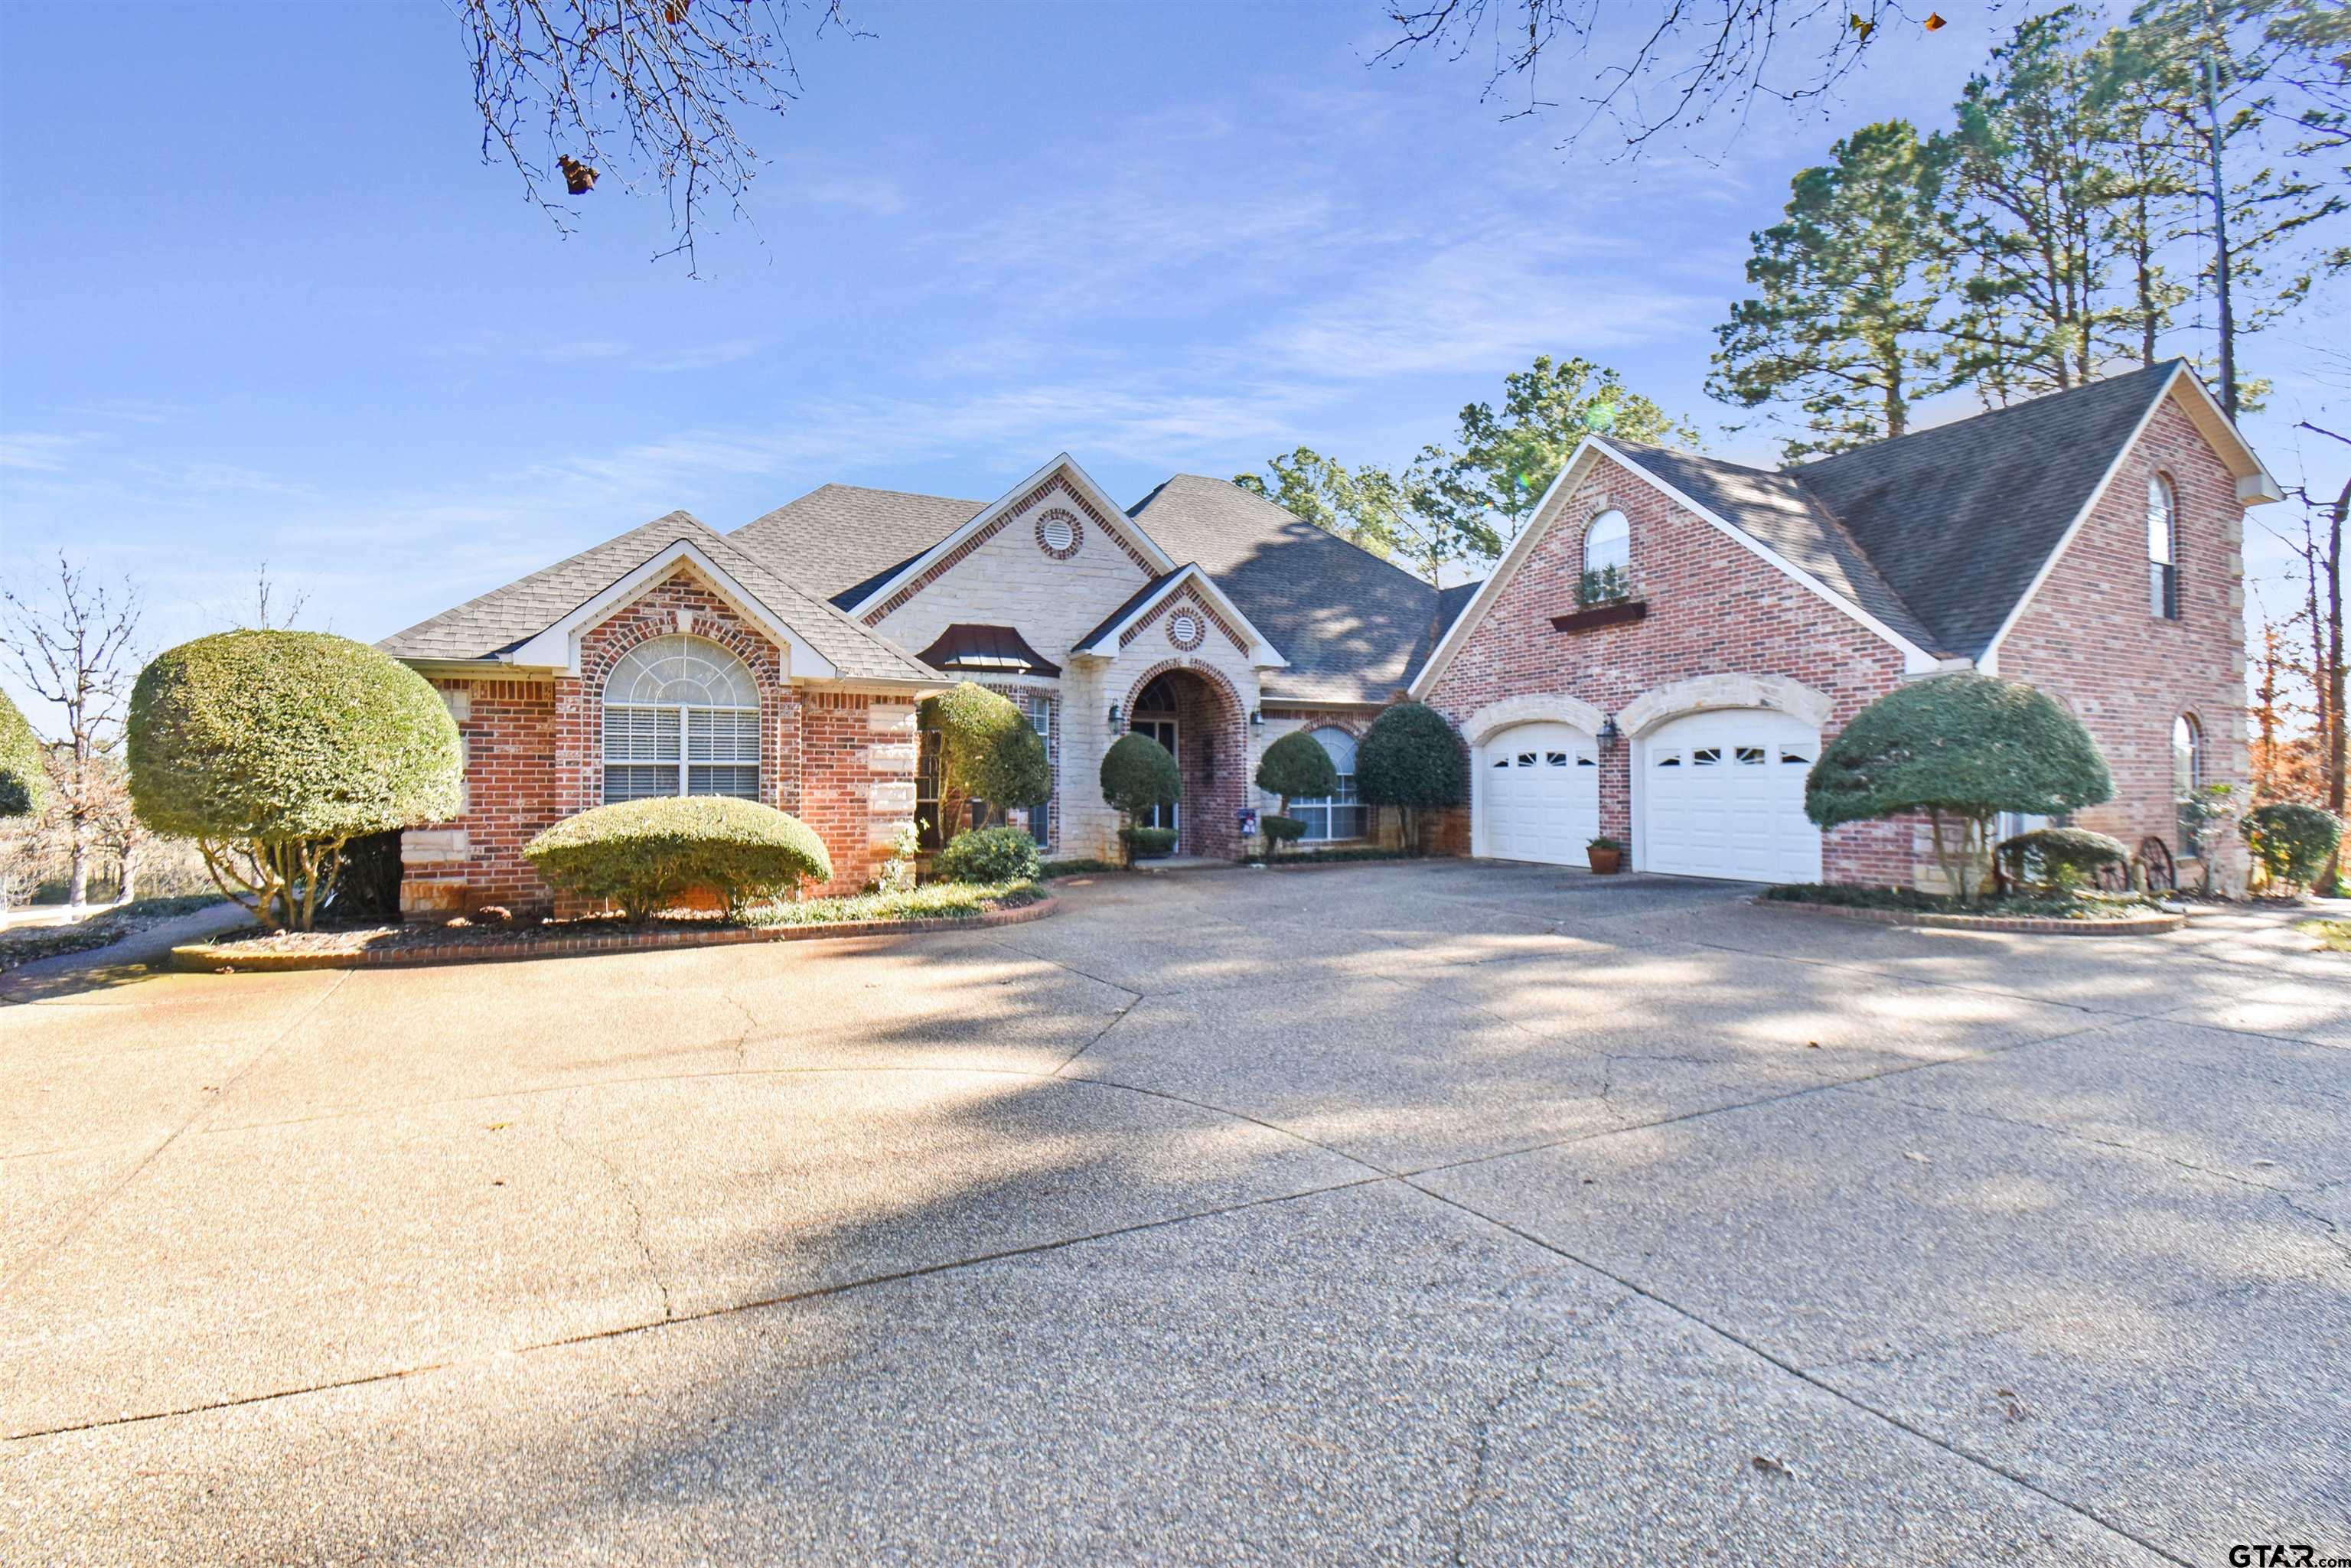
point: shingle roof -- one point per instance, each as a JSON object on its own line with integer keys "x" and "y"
{"x": 840, "y": 540}
{"x": 1775, "y": 509}
{"x": 481, "y": 627}
{"x": 1353, "y": 627}
{"x": 1961, "y": 517}
{"x": 1132, "y": 603}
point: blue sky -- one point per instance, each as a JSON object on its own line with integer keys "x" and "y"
{"x": 259, "y": 300}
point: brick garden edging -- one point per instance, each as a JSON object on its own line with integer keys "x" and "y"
{"x": 2140, "y": 925}
{"x": 206, "y": 957}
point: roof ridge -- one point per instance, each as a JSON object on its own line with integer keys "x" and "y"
{"x": 1980, "y": 416}
{"x": 1409, "y": 576}
{"x": 548, "y": 570}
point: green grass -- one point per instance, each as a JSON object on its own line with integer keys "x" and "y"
{"x": 100, "y": 928}
{"x": 936, "y": 901}
{"x": 2038, "y": 907}
{"x": 2334, "y": 935}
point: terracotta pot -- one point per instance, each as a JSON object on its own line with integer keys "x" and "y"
{"x": 1606, "y": 862}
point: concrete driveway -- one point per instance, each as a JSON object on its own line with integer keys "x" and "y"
{"x": 1415, "y": 1214}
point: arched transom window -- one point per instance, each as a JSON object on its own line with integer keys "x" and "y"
{"x": 1608, "y": 544}
{"x": 1339, "y": 816}
{"x": 2162, "y": 549}
{"x": 680, "y": 717}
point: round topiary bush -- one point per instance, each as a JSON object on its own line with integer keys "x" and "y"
{"x": 274, "y": 749}
{"x": 990, "y": 855}
{"x": 2058, "y": 857}
{"x": 644, "y": 855}
{"x": 24, "y": 780}
{"x": 1963, "y": 749}
{"x": 987, "y": 751}
{"x": 1137, "y": 773}
{"x": 1296, "y": 768}
{"x": 2293, "y": 842}
{"x": 1412, "y": 759}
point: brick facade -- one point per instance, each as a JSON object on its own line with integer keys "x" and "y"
{"x": 2090, "y": 638}
{"x": 1714, "y": 607}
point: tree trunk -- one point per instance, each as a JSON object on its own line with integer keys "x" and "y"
{"x": 129, "y": 889}
{"x": 2223, "y": 301}
{"x": 78, "y": 882}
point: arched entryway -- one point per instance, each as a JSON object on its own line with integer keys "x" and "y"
{"x": 1193, "y": 710}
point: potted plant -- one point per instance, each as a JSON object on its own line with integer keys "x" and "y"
{"x": 1606, "y": 855}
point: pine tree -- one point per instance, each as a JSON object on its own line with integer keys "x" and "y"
{"x": 1846, "y": 314}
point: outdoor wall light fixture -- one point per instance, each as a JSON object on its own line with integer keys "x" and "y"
{"x": 1609, "y": 734}
{"x": 1257, "y": 718}
{"x": 1113, "y": 715}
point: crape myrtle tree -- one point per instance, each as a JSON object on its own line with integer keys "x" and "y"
{"x": 987, "y": 752}
{"x": 1960, "y": 747}
{"x": 1137, "y": 774}
{"x": 274, "y": 749}
{"x": 1293, "y": 768}
{"x": 71, "y": 643}
{"x": 1411, "y": 759}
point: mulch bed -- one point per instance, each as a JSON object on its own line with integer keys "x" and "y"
{"x": 407, "y": 946}
{"x": 2150, "y": 923}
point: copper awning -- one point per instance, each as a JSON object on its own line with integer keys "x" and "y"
{"x": 966, "y": 649}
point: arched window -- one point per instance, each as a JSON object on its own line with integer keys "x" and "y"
{"x": 2162, "y": 549}
{"x": 1608, "y": 544}
{"x": 1339, "y": 816}
{"x": 2186, "y": 777}
{"x": 680, "y": 717}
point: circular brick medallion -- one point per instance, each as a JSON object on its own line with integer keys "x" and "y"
{"x": 1058, "y": 533}
{"x": 1186, "y": 628}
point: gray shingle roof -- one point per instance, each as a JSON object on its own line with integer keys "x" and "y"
{"x": 1354, "y": 628}
{"x": 482, "y": 628}
{"x": 1132, "y": 603}
{"x": 1960, "y": 519}
{"x": 840, "y": 540}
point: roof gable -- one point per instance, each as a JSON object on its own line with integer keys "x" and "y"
{"x": 1117, "y": 629}
{"x": 842, "y": 540}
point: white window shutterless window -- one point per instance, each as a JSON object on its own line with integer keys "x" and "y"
{"x": 680, "y": 717}
{"x": 2162, "y": 549}
{"x": 1339, "y": 816}
{"x": 1608, "y": 544}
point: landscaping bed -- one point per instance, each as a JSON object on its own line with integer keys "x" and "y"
{"x": 100, "y": 928}
{"x": 2080, "y": 914}
{"x": 940, "y": 906}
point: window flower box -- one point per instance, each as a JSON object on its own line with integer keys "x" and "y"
{"x": 1619, "y": 612}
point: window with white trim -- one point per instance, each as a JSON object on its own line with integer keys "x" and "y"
{"x": 2162, "y": 549}
{"x": 1341, "y": 815}
{"x": 680, "y": 717}
{"x": 2187, "y": 779}
{"x": 1608, "y": 544}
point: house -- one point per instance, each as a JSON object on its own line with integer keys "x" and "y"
{"x": 2088, "y": 542}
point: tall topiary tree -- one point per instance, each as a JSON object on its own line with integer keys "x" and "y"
{"x": 989, "y": 751}
{"x": 274, "y": 749}
{"x": 1963, "y": 749}
{"x": 1293, "y": 768}
{"x": 24, "y": 780}
{"x": 1412, "y": 759}
{"x": 1137, "y": 774}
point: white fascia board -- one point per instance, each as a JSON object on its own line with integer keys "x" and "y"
{"x": 1914, "y": 657}
{"x": 2210, "y": 419}
{"x": 557, "y": 647}
{"x": 1538, "y": 522}
{"x": 1263, "y": 654}
{"x": 1079, "y": 479}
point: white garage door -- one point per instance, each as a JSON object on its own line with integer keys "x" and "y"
{"x": 1539, "y": 787}
{"x": 1723, "y": 794}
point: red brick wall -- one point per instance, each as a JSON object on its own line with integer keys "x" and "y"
{"x": 535, "y": 756}
{"x": 2089, "y": 638}
{"x": 1713, "y": 609}
{"x": 1381, "y": 823}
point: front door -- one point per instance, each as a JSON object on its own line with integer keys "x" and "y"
{"x": 1162, "y": 730}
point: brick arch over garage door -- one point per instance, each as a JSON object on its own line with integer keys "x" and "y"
{"x": 1210, "y": 711}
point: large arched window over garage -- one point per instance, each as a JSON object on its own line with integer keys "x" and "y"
{"x": 2162, "y": 549}
{"x": 1339, "y": 816}
{"x": 1608, "y": 544}
{"x": 680, "y": 717}
{"x": 2187, "y": 777}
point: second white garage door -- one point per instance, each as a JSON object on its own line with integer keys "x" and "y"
{"x": 1539, "y": 788}
{"x": 1723, "y": 794}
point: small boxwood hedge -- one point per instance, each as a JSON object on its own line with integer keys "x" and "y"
{"x": 2058, "y": 857}
{"x": 988, "y": 856}
{"x": 644, "y": 855}
{"x": 2293, "y": 842}
{"x": 1148, "y": 842}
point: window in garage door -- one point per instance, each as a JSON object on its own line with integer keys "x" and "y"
{"x": 1723, "y": 794}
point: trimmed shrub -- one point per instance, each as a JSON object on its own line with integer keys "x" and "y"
{"x": 2294, "y": 843}
{"x": 989, "y": 751}
{"x": 274, "y": 749}
{"x": 1137, "y": 774}
{"x": 1296, "y": 768}
{"x": 24, "y": 779}
{"x": 1962, "y": 748}
{"x": 2058, "y": 857}
{"x": 644, "y": 854}
{"x": 1147, "y": 841}
{"x": 988, "y": 856}
{"x": 1279, "y": 830}
{"x": 1412, "y": 759}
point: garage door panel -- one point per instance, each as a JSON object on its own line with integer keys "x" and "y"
{"x": 1723, "y": 795}
{"x": 1539, "y": 791}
